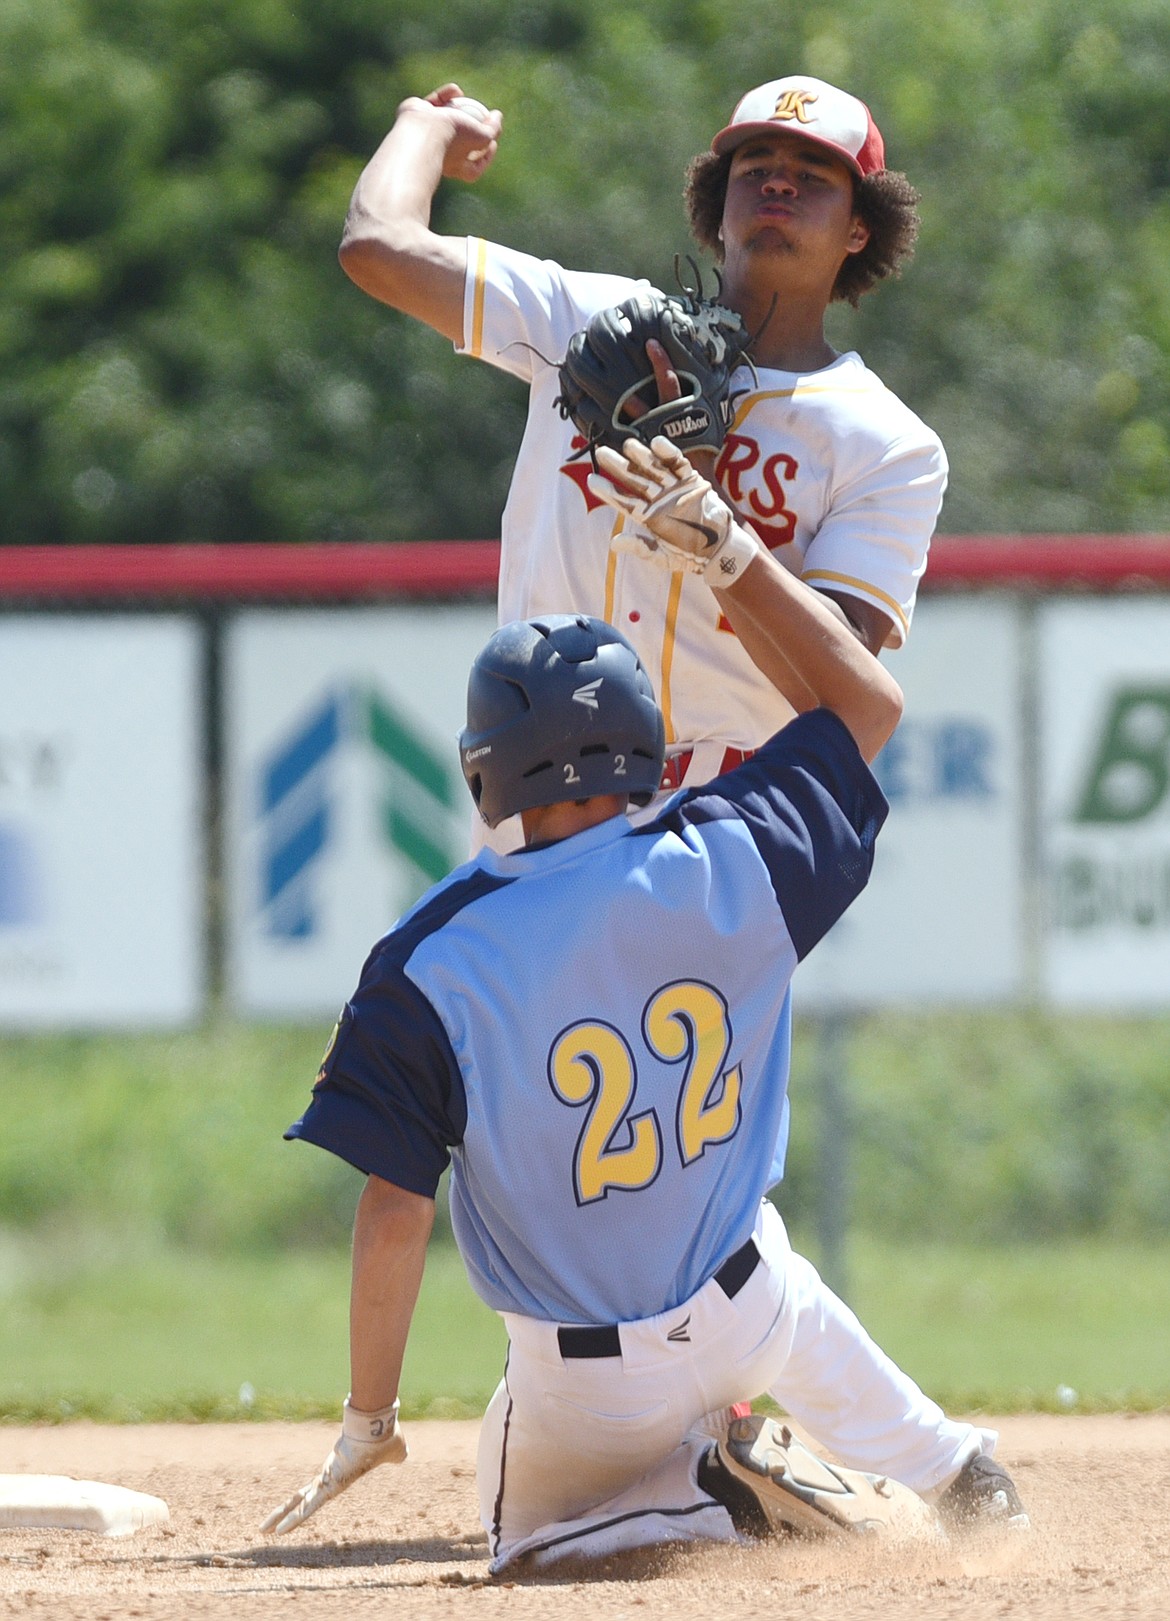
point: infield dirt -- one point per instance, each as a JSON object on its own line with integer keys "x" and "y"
{"x": 407, "y": 1541}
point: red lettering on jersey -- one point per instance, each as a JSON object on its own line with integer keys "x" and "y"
{"x": 762, "y": 499}
{"x": 777, "y": 521}
{"x": 580, "y": 471}
{"x": 735, "y": 459}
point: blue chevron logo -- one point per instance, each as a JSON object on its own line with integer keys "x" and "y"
{"x": 417, "y": 790}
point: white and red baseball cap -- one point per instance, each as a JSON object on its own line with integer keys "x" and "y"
{"x": 811, "y": 108}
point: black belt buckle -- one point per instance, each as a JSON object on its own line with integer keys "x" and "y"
{"x": 589, "y": 1342}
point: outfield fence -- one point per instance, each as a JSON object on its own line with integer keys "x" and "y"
{"x": 225, "y": 769}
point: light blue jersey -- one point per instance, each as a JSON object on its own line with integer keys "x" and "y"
{"x": 596, "y": 1034}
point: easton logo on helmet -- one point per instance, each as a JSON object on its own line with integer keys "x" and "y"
{"x": 476, "y": 754}
{"x": 587, "y": 694}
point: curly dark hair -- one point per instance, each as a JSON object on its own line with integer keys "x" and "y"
{"x": 886, "y": 202}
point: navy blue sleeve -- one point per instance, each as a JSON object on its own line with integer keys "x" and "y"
{"x": 813, "y": 809}
{"x": 389, "y": 1096}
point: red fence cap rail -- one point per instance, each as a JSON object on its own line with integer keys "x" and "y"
{"x": 351, "y": 570}
{"x": 246, "y": 571}
{"x": 1050, "y": 562}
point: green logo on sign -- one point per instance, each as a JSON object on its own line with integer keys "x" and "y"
{"x": 420, "y": 783}
{"x": 1131, "y": 774}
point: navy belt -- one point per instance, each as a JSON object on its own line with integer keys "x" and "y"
{"x": 591, "y": 1342}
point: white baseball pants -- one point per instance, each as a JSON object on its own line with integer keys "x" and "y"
{"x": 592, "y": 1455}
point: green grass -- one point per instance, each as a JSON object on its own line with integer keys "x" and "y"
{"x": 175, "y": 1335}
{"x": 1022, "y": 1328}
{"x": 169, "y": 1335}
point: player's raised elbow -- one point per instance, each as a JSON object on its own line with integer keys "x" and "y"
{"x": 370, "y": 260}
{"x": 382, "y": 248}
{"x": 405, "y": 265}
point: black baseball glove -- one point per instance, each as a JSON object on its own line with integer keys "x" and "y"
{"x": 606, "y": 367}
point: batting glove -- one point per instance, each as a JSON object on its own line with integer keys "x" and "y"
{"x": 678, "y": 521}
{"x": 366, "y": 1440}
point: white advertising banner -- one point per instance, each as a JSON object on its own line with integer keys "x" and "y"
{"x": 1105, "y": 746}
{"x": 345, "y": 800}
{"x": 101, "y": 847}
{"x": 941, "y": 920}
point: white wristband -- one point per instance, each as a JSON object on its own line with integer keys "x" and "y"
{"x": 729, "y": 562}
{"x": 377, "y": 1426}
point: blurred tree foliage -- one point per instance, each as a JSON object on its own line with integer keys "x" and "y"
{"x": 182, "y": 359}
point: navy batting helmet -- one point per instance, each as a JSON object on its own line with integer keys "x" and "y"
{"x": 559, "y": 709}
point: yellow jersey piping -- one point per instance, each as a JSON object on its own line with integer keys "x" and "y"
{"x": 478, "y": 298}
{"x": 861, "y": 585}
{"x": 668, "y": 637}
{"x": 753, "y": 400}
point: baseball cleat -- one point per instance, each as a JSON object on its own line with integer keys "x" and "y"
{"x": 982, "y": 1494}
{"x": 770, "y": 1482}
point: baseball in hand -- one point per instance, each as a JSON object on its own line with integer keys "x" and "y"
{"x": 468, "y": 104}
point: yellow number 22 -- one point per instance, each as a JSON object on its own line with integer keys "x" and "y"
{"x": 591, "y": 1065}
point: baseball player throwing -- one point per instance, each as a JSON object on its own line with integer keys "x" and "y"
{"x": 609, "y": 1103}
{"x": 834, "y": 474}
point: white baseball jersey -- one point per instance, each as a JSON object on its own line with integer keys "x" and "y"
{"x": 840, "y": 479}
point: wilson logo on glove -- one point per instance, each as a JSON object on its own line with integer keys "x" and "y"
{"x": 689, "y": 427}
{"x": 608, "y": 385}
